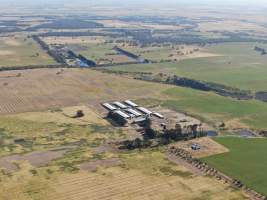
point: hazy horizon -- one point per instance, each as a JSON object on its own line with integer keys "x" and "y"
{"x": 138, "y": 2}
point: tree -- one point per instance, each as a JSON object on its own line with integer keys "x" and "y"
{"x": 79, "y": 114}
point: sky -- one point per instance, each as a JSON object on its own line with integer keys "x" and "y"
{"x": 138, "y": 2}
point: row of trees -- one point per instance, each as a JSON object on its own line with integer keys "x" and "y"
{"x": 153, "y": 138}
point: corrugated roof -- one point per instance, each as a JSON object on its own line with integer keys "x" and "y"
{"x": 109, "y": 106}
{"x": 119, "y": 104}
{"x": 158, "y": 115}
{"x": 130, "y": 103}
{"x": 144, "y": 110}
{"x": 136, "y": 113}
{"x": 124, "y": 115}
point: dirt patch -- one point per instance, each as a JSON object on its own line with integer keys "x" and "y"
{"x": 208, "y": 147}
{"x": 36, "y": 159}
{"x": 106, "y": 147}
{"x": 6, "y": 53}
{"x": 11, "y": 42}
{"x": 93, "y": 165}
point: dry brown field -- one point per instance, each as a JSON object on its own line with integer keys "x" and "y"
{"x": 41, "y": 89}
{"x": 176, "y": 52}
{"x": 142, "y": 175}
{"x": 22, "y": 51}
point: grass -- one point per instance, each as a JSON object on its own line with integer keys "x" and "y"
{"x": 152, "y": 53}
{"x": 146, "y": 174}
{"x": 94, "y": 51}
{"x": 101, "y": 53}
{"x": 238, "y": 65}
{"x": 246, "y": 161}
{"x": 22, "y": 51}
{"x": 72, "y": 87}
{"x": 212, "y": 107}
{"x": 42, "y": 130}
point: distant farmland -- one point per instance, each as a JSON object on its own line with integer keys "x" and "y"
{"x": 246, "y": 161}
{"x": 41, "y": 89}
{"x": 237, "y": 65}
{"x": 22, "y": 51}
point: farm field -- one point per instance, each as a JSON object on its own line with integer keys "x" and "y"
{"x": 214, "y": 108}
{"x": 246, "y": 161}
{"x": 141, "y": 174}
{"x": 59, "y": 141}
{"x": 74, "y": 40}
{"x": 76, "y": 164}
{"x": 54, "y": 88}
{"x": 170, "y": 53}
{"x": 41, "y": 89}
{"x": 94, "y": 48}
{"x": 101, "y": 53}
{"x": 22, "y": 51}
{"x": 238, "y": 65}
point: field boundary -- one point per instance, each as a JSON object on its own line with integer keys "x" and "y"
{"x": 13, "y": 68}
{"x": 210, "y": 171}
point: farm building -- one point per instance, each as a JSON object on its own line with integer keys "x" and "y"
{"x": 129, "y": 112}
{"x": 134, "y": 112}
{"x": 120, "y": 105}
{"x": 119, "y": 116}
{"x": 140, "y": 120}
{"x": 158, "y": 115}
{"x": 109, "y": 106}
{"x": 130, "y": 103}
{"x": 144, "y": 110}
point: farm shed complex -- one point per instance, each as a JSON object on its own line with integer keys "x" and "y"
{"x": 128, "y": 112}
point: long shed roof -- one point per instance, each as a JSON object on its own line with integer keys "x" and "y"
{"x": 134, "y": 112}
{"x": 109, "y": 106}
{"x": 119, "y": 104}
{"x": 144, "y": 110}
{"x": 130, "y": 103}
{"x": 122, "y": 114}
{"x": 158, "y": 115}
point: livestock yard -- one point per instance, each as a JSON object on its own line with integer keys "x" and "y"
{"x": 116, "y": 104}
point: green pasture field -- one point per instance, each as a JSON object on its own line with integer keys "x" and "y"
{"x": 22, "y": 51}
{"x": 237, "y": 65}
{"x": 152, "y": 53}
{"x": 93, "y": 51}
{"x": 246, "y": 161}
{"x": 214, "y": 108}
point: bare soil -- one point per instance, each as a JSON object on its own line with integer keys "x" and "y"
{"x": 208, "y": 147}
{"x": 93, "y": 165}
{"x": 37, "y": 158}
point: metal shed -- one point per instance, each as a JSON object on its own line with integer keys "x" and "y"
{"x": 134, "y": 112}
{"x": 144, "y": 110}
{"x": 120, "y": 105}
{"x": 130, "y": 103}
{"x": 158, "y": 115}
{"x": 109, "y": 106}
{"x": 122, "y": 114}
